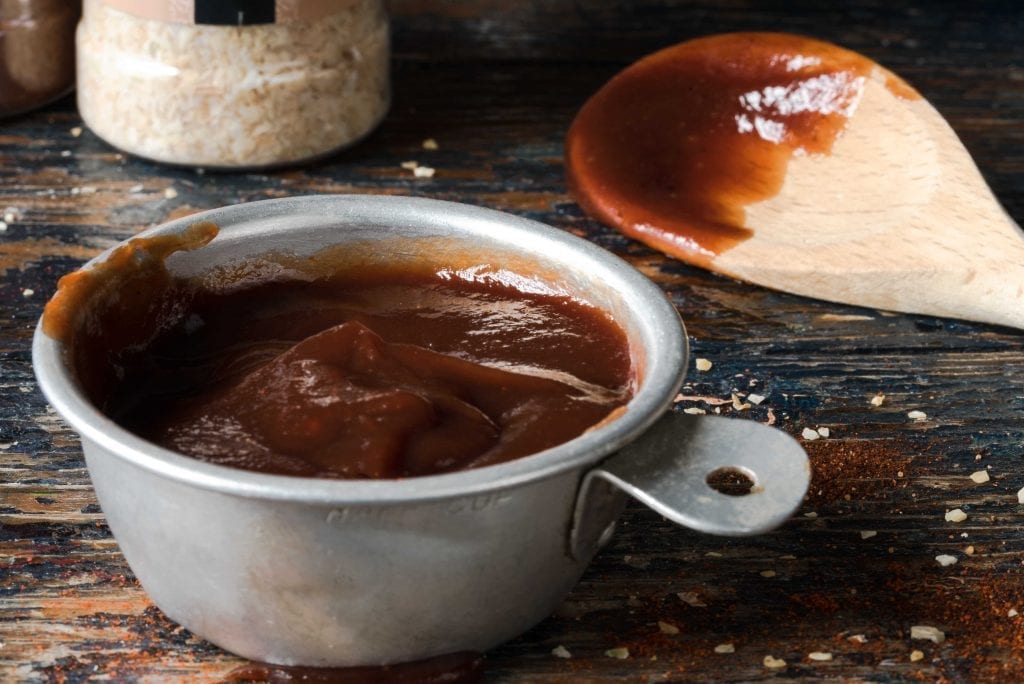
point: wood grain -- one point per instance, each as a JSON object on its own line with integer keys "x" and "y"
{"x": 897, "y": 217}
{"x": 496, "y": 84}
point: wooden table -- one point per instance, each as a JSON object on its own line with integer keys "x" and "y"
{"x": 496, "y": 84}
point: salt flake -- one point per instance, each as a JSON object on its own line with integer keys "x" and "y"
{"x": 956, "y": 515}
{"x": 927, "y": 632}
{"x": 423, "y": 172}
{"x": 980, "y": 477}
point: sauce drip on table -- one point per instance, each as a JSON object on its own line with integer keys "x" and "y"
{"x": 375, "y": 372}
{"x": 673, "y": 148}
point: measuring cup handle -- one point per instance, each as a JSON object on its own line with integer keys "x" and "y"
{"x": 667, "y": 468}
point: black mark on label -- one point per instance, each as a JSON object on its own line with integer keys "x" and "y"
{"x": 234, "y": 12}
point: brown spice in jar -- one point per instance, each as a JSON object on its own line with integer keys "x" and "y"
{"x": 37, "y": 52}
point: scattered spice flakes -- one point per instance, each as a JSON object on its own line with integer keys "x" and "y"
{"x": 809, "y": 434}
{"x": 755, "y": 399}
{"x": 419, "y": 171}
{"x": 917, "y": 415}
{"x": 820, "y": 656}
{"x": 430, "y": 144}
{"x": 773, "y": 663}
{"x": 980, "y": 477}
{"x": 945, "y": 560}
{"x": 711, "y": 401}
{"x": 878, "y": 400}
{"x": 691, "y": 599}
{"x": 868, "y": 534}
{"x": 916, "y": 656}
{"x": 667, "y": 628}
{"x": 771, "y": 417}
{"x": 955, "y": 516}
{"x": 738, "y": 404}
{"x": 725, "y": 648}
{"x": 927, "y": 632}
{"x": 561, "y": 652}
{"x": 702, "y": 365}
{"x": 620, "y": 653}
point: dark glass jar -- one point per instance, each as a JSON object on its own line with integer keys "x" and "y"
{"x": 37, "y": 52}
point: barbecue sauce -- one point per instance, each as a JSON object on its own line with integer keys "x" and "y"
{"x": 375, "y": 371}
{"x": 673, "y": 148}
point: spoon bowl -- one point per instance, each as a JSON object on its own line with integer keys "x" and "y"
{"x": 803, "y": 167}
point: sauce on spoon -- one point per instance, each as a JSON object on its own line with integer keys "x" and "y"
{"x": 673, "y": 148}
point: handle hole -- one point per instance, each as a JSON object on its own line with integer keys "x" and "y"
{"x": 731, "y": 481}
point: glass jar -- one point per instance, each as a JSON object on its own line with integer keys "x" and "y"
{"x": 37, "y": 52}
{"x": 233, "y": 83}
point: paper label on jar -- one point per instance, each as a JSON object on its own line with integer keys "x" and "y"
{"x": 230, "y": 12}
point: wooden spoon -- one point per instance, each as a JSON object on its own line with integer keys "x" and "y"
{"x": 800, "y": 166}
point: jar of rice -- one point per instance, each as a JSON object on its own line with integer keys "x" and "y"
{"x": 233, "y": 83}
{"x": 37, "y": 52}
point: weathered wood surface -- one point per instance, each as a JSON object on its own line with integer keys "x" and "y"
{"x": 497, "y": 83}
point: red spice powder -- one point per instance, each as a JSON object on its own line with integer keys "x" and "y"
{"x": 852, "y": 470}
